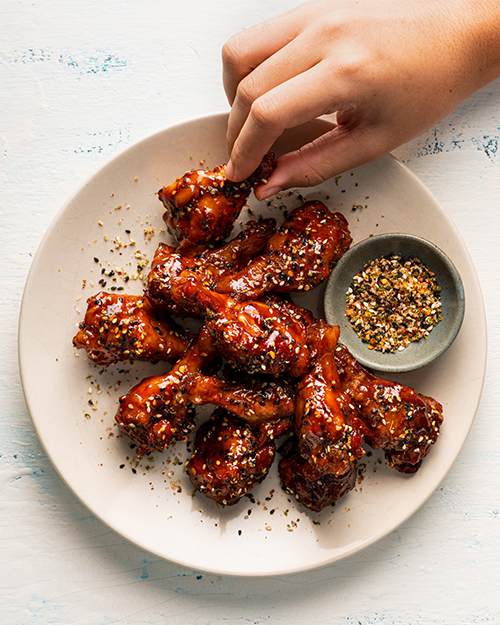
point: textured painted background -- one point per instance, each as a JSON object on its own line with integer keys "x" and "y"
{"x": 79, "y": 82}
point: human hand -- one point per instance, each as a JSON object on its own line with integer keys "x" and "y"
{"x": 389, "y": 69}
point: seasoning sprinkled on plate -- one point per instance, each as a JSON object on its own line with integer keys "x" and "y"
{"x": 393, "y": 302}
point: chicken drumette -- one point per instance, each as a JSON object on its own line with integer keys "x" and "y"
{"x": 310, "y": 486}
{"x": 322, "y": 464}
{"x": 231, "y": 457}
{"x": 298, "y": 257}
{"x": 254, "y": 336}
{"x": 202, "y": 206}
{"x": 157, "y": 411}
{"x": 210, "y": 263}
{"x": 396, "y": 418}
{"x": 127, "y": 327}
{"x": 255, "y": 399}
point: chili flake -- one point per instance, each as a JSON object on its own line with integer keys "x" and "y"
{"x": 392, "y": 303}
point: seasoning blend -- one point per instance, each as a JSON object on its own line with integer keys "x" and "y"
{"x": 393, "y": 302}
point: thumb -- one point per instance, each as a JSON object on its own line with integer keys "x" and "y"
{"x": 332, "y": 153}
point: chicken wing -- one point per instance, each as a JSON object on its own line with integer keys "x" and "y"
{"x": 252, "y": 336}
{"x": 309, "y": 485}
{"x": 298, "y": 257}
{"x": 254, "y": 399}
{"x": 166, "y": 265}
{"x": 322, "y": 465}
{"x": 210, "y": 263}
{"x": 126, "y": 327}
{"x": 230, "y": 458}
{"x": 232, "y": 256}
{"x": 157, "y": 411}
{"x": 202, "y": 206}
{"x": 397, "y": 418}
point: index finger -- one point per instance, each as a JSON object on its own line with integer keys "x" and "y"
{"x": 245, "y": 51}
{"x": 284, "y": 107}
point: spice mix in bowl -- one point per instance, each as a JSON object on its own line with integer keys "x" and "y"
{"x": 399, "y": 302}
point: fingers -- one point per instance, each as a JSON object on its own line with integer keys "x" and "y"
{"x": 284, "y": 65}
{"x": 278, "y": 109}
{"x": 371, "y": 71}
{"x": 337, "y": 151}
{"x": 244, "y": 52}
{"x": 256, "y": 62}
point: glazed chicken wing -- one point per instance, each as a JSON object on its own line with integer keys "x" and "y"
{"x": 259, "y": 339}
{"x": 309, "y": 485}
{"x": 252, "y": 335}
{"x": 298, "y": 257}
{"x": 126, "y": 327}
{"x": 157, "y": 411}
{"x": 326, "y": 420}
{"x": 232, "y": 256}
{"x": 230, "y": 458}
{"x": 253, "y": 398}
{"x": 202, "y": 206}
{"x": 322, "y": 465}
{"x": 397, "y": 418}
{"x": 210, "y": 263}
{"x": 167, "y": 264}
{"x": 320, "y": 336}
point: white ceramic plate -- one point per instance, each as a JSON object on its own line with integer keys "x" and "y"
{"x": 152, "y": 504}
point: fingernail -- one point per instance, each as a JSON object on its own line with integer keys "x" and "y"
{"x": 229, "y": 170}
{"x": 264, "y": 193}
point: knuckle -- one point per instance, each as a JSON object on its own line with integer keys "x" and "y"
{"x": 349, "y": 67}
{"x": 314, "y": 177}
{"x": 237, "y": 56}
{"x": 246, "y": 92}
{"x": 231, "y": 53}
{"x": 252, "y": 92}
{"x": 264, "y": 112}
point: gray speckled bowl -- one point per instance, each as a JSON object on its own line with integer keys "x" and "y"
{"x": 419, "y": 353}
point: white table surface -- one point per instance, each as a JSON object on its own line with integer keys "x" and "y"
{"x": 78, "y": 83}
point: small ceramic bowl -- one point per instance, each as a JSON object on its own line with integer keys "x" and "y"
{"x": 419, "y": 353}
